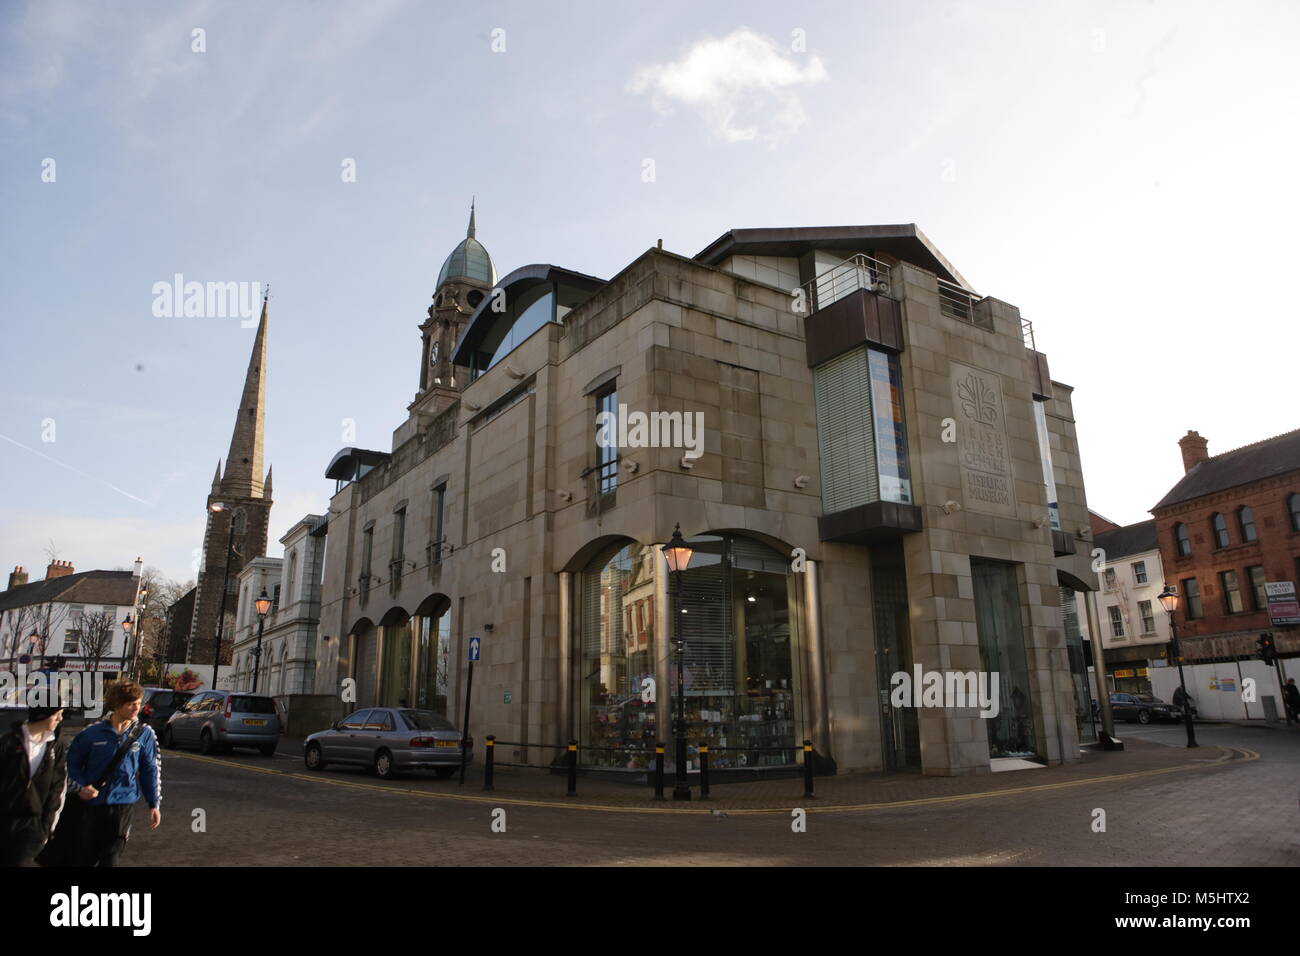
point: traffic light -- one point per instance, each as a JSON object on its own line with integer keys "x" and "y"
{"x": 1265, "y": 645}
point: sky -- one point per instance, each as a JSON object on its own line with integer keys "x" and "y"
{"x": 1121, "y": 172}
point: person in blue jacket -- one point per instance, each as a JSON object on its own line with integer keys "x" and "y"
{"x": 106, "y": 814}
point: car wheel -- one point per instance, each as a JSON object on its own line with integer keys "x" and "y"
{"x": 384, "y": 766}
{"x": 266, "y": 750}
{"x": 1144, "y": 716}
{"x": 313, "y": 757}
{"x": 444, "y": 772}
{"x": 167, "y": 740}
{"x": 206, "y": 745}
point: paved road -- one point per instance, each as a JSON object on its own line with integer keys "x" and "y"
{"x": 269, "y": 811}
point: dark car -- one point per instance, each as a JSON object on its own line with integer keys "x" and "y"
{"x": 160, "y": 703}
{"x": 1143, "y": 708}
{"x": 389, "y": 740}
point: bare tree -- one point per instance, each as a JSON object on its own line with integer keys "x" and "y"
{"x": 18, "y": 622}
{"x": 47, "y": 618}
{"x": 96, "y": 637}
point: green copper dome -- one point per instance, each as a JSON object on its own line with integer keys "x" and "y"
{"x": 469, "y": 260}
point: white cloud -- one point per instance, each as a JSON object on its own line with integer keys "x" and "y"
{"x": 743, "y": 85}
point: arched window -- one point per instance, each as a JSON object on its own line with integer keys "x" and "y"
{"x": 1219, "y": 530}
{"x": 1293, "y": 506}
{"x": 736, "y": 618}
{"x": 239, "y": 521}
{"x": 1182, "y": 541}
{"x": 617, "y": 664}
{"x": 431, "y": 625}
{"x": 1246, "y": 521}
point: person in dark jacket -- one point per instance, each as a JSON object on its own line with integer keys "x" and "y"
{"x": 106, "y": 823}
{"x": 33, "y": 780}
{"x": 1291, "y": 697}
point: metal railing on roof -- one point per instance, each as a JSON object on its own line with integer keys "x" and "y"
{"x": 956, "y": 302}
{"x": 856, "y": 272}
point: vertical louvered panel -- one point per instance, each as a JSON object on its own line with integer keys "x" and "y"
{"x": 842, "y": 390}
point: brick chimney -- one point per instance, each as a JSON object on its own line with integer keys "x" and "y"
{"x": 17, "y": 578}
{"x": 58, "y": 569}
{"x": 1195, "y": 450}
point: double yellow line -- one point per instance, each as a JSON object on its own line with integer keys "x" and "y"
{"x": 1230, "y": 754}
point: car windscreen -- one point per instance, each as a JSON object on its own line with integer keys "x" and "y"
{"x": 1148, "y": 699}
{"x": 161, "y": 698}
{"x": 425, "y": 720}
{"x": 252, "y": 705}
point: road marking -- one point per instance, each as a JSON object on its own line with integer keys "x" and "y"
{"x": 1230, "y": 754}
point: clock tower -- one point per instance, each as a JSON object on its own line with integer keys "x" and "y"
{"x": 465, "y": 280}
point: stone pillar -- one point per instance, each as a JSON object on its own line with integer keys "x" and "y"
{"x": 819, "y": 723}
{"x": 565, "y": 709}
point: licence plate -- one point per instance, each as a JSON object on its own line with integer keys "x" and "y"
{"x": 254, "y": 723}
{"x": 448, "y": 743}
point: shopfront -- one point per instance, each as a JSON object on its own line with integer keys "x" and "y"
{"x": 739, "y": 625}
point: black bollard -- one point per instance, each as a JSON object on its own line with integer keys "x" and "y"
{"x": 487, "y": 761}
{"x": 659, "y": 771}
{"x": 807, "y": 769}
{"x": 704, "y": 771}
{"x": 573, "y": 768}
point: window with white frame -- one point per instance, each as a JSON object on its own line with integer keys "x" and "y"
{"x": 1148, "y": 617}
{"x": 1116, "y": 621}
{"x": 1140, "y": 572}
{"x": 1109, "y": 581}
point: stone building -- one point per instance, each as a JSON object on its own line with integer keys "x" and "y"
{"x": 1227, "y": 529}
{"x": 246, "y": 503}
{"x": 871, "y": 464}
{"x": 286, "y": 667}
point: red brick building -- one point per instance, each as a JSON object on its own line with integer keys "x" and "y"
{"x": 1230, "y": 525}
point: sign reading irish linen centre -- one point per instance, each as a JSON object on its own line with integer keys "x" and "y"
{"x": 985, "y": 459}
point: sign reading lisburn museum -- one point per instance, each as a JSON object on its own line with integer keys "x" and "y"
{"x": 982, "y": 448}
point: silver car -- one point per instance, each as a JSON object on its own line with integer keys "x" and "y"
{"x": 217, "y": 720}
{"x": 389, "y": 740}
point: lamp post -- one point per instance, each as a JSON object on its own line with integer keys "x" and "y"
{"x": 678, "y": 555}
{"x": 1169, "y": 601}
{"x": 127, "y": 627}
{"x": 263, "y": 604}
{"x": 216, "y": 508}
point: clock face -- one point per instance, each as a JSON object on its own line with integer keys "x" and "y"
{"x": 433, "y": 354}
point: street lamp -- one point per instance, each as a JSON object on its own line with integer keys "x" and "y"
{"x": 127, "y": 626}
{"x": 263, "y": 604}
{"x": 1169, "y": 601}
{"x": 216, "y": 508}
{"x": 678, "y": 555}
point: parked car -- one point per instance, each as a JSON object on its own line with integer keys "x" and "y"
{"x": 1143, "y": 708}
{"x": 159, "y": 705}
{"x": 217, "y": 720}
{"x": 389, "y": 740}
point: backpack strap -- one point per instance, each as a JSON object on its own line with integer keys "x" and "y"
{"x": 132, "y": 736}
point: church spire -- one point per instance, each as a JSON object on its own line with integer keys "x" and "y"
{"x": 244, "y": 463}
{"x": 469, "y": 234}
{"x": 216, "y": 479}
